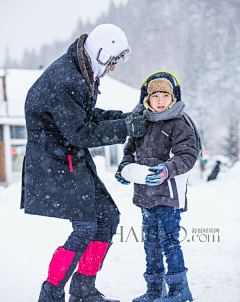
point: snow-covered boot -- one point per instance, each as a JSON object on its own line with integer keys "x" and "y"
{"x": 178, "y": 288}
{"x": 51, "y": 293}
{"x": 82, "y": 289}
{"x": 156, "y": 288}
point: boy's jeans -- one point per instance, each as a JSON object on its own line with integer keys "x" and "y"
{"x": 161, "y": 229}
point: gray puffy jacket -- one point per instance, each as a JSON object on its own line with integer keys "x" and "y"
{"x": 169, "y": 142}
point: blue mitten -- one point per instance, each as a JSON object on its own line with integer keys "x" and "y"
{"x": 160, "y": 173}
{"x": 119, "y": 177}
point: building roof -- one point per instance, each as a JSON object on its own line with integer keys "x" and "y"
{"x": 114, "y": 94}
{"x": 18, "y": 82}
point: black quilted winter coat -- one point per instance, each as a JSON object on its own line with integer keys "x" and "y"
{"x": 62, "y": 123}
{"x": 172, "y": 143}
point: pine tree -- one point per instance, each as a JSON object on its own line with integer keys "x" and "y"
{"x": 231, "y": 143}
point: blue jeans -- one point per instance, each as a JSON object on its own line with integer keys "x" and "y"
{"x": 161, "y": 236}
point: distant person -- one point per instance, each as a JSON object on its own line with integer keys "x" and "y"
{"x": 215, "y": 171}
{"x": 59, "y": 176}
{"x": 158, "y": 164}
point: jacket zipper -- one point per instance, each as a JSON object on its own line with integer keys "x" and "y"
{"x": 170, "y": 188}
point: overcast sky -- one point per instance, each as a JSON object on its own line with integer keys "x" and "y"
{"x": 31, "y": 23}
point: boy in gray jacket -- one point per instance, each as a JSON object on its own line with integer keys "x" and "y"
{"x": 158, "y": 164}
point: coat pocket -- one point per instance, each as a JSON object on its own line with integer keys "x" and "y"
{"x": 57, "y": 152}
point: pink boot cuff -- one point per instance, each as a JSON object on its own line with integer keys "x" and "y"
{"x": 92, "y": 258}
{"x": 59, "y": 265}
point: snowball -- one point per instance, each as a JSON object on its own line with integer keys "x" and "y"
{"x": 135, "y": 173}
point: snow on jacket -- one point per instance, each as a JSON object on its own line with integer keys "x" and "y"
{"x": 172, "y": 143}
{"x": 62, "y": 123}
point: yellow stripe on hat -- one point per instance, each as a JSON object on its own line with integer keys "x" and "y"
{"x": 161, "y": 72}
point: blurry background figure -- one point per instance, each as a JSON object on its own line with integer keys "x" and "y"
{"x": 215, "y": 171}
{"x": 203, "y": 161}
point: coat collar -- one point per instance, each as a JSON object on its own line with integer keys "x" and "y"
{"x": 176, "y": 111}
{"x": 84, "y": 64}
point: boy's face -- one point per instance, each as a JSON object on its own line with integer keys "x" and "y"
{"x": 160, "y": 101}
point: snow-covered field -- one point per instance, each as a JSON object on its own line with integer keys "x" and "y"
{"x": 28, "y": 242}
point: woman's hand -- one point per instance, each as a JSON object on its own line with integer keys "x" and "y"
{"x": 136, "y": 125}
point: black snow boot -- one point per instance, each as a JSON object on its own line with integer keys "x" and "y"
{"x": 156, "y": 288}
{"x": 51, "y": 293}
{"x": 178, "y": 289}
{"x": 82, "y": 289}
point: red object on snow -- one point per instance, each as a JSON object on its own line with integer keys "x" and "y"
{"x": 92, "y": 258}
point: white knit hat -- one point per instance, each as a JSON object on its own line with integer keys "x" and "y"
{"x": 106, "y": 45}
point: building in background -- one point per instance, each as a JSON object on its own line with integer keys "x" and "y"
{"x": 115, "y": 95}
{"x": 14, "y": 85}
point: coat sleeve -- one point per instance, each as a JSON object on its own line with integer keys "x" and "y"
{"x": 100, "y": 115}
{"x": 129, "y": 151}
{"x": 183, "y": 149}
{"x": 68, "y": 106}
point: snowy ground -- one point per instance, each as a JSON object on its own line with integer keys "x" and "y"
{"x": 28, "y": 242}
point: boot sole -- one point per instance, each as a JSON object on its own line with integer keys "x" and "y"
{"x": 90, "y": 299}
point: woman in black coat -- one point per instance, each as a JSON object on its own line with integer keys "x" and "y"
{"x": 59, "y": 176}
